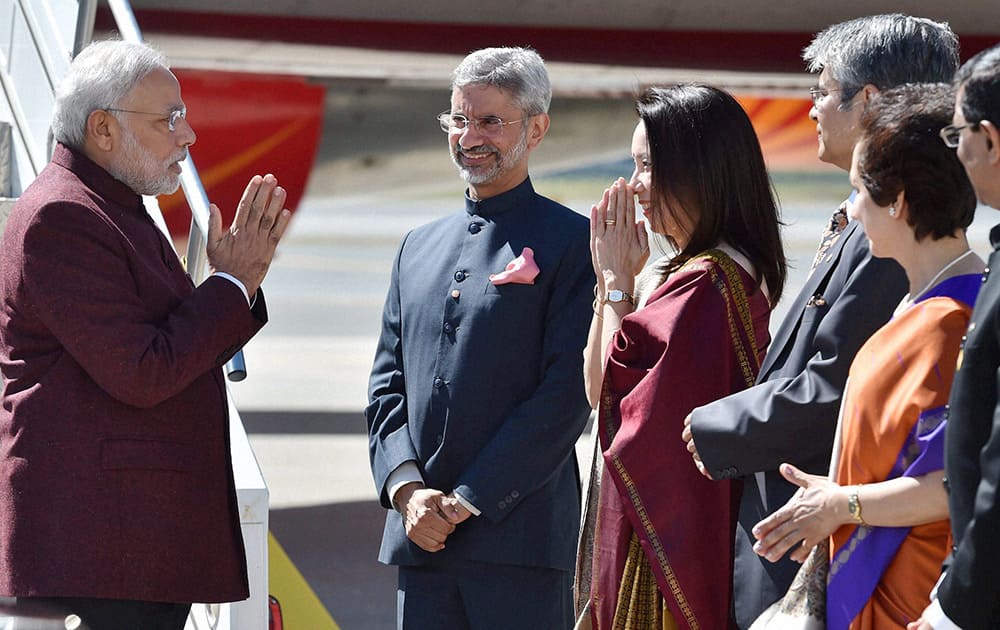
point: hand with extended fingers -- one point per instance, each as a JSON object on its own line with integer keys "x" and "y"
{"x": 245, "y": 250}
{"x": 619, "y": 246}
{"x": 814, "y": 512}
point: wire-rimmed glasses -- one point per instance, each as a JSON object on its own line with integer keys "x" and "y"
{"x": 486, "y": 125}
{"x": 171, "y": 117}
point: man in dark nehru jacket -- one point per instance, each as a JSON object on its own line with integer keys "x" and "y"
{"x": 790, "y": 415}
{"x": 968, "y": 595}
{"x": 476, "y": 393}
{"x": 117, "y": 500}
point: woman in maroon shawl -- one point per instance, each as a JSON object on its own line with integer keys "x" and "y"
{"x": 661, "y": 554}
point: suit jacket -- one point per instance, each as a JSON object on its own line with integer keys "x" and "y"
{"x": 482, "y": 385}
{"x": 969, "y": 593}
{"x": 115, "y": 473}
{"x": 790, "y": 415}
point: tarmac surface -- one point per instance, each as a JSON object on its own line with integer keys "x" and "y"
{"x": 302, "y": 401}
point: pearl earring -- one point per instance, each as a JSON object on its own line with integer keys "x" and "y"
{"x": 892, "y": 211}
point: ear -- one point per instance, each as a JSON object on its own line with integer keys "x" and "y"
{"x": 538, "y": 126}
{"x": 101, "y": 130}
{"x": 868, "y": 92}
{"x": 992, "y": 141}
{"x": 902, "y": 207}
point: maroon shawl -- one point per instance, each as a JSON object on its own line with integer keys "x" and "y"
{"x": 700, "y": 337}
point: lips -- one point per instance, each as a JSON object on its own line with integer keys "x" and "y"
{"x": 475, "y": 159}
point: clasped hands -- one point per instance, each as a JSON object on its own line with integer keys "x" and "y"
{"x": 619, "y": 246}
{"x": 246, "y": 249}
{"x": 429, "y": 515}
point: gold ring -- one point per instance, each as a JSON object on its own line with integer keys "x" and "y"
{"x": 609, "y": 222}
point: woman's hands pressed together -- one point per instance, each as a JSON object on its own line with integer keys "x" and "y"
{"x": 619, "y": 246}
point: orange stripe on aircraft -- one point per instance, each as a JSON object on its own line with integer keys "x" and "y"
{"x": 241, "y": 160}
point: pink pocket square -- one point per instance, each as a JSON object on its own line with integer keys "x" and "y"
{"x": 521, "y": 270}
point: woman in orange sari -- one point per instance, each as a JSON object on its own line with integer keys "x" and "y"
{"x": 661, "y": 554}
{"x": 886, "y": 509}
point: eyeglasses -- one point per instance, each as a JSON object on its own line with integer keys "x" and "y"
{"x": 171, "y": 117}
{"x": 817, "y": 93}
{"x": 487, "y": 125}
{"x": 951, "y": 134}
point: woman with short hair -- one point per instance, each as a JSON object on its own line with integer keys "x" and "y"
{"x": 885, "y": 509}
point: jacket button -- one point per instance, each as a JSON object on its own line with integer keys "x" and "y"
{"x": 474, "y": 228}
{"x": 448, "y": 328}
{"x": 460, "y": 276}
{"x": 438, "y": 382}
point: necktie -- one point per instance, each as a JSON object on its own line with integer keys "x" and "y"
{"x": 831, "y": 233}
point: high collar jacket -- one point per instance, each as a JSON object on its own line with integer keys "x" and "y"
{"x": 482, "y": 384}
{"x": 115, "y": 472}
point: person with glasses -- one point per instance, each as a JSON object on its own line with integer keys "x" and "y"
{"x": 791, "y": 413}
{"x": 968, "y": 594}
{"x": 884, "y": 506}
{"x": 116, "y": 481}
{"x": 657, "y": 548}
{"x": 476, "y": 394}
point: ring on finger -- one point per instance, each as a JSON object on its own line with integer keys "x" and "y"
{"x": 609, "y": 221}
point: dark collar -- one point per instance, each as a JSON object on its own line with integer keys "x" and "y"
{"x": 518, "y": 196}
{"x": 95, "y": 177}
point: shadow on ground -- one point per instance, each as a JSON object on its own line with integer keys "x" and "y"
{"x": 335, "y": 548}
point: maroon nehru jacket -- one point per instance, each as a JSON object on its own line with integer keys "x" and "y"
{"x": 115, "y": 473}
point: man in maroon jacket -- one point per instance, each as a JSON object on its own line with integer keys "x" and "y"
{"x": 117, "y": 499}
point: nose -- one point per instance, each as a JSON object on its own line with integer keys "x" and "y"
{"x": 813, "y": 113}
{"x": 470, "y": 137}
{"x": 185, "y": 133}
{"x": 636, "y": 183}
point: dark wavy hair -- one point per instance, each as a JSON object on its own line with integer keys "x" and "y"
{"x": 707, "y": 164}
{"x": 902, "y": 151}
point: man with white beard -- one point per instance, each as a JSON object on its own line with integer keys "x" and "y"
{"x": 476, "y": 393}
{"x": 117, "y": 500}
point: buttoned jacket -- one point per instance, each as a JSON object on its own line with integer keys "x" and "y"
{"x": 969, "y": 593}
{"x": 115, "y": 472}
{"x": 482, "y": 384}
{"x": 790, "y": 415}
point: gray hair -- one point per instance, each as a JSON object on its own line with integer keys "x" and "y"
{"x": 885, "y": 51}
{"x": 980, "y": 76}
{"x": 518, "y": 71}
{"x": 100, "y": 77}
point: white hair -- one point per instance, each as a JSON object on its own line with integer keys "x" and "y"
{"x": 519, "y": 71}
{"x": 99, "y": 78}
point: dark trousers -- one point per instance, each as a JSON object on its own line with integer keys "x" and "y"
{"x": 118, "y": 614}
{"x": 479, "y": 596}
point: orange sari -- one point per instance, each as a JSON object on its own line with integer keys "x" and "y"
{"x": 894, "y": 414}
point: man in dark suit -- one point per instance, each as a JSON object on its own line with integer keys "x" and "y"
{"x": 117, "y": 499}
{"x": 476, "y": 393}
{"x": 790, "y": 415}
{"x": 968, "y": 595}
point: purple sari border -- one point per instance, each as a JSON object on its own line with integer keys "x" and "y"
{"x": 964, "y": 288}
{"x": 858, "y": 565}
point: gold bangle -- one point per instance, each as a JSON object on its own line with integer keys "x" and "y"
{"x": 854, "y": 505}
{"x": 594, "y": 306}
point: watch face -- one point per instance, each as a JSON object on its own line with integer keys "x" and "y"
{"x": 616, "y": 295}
